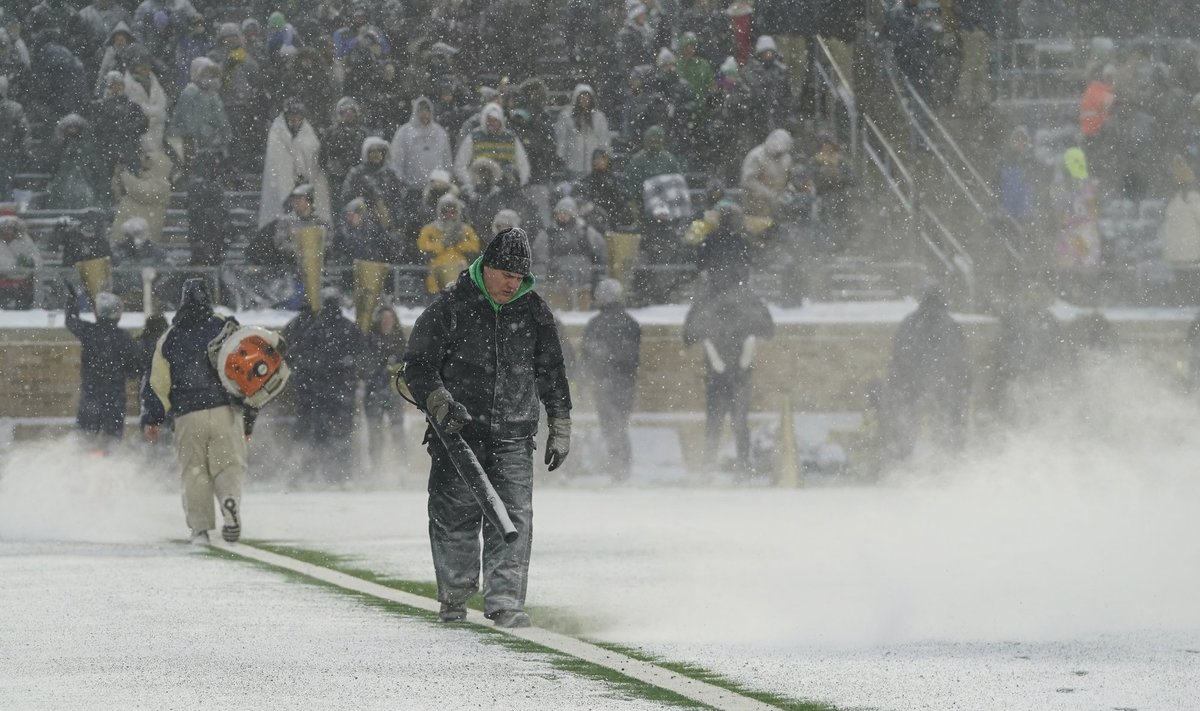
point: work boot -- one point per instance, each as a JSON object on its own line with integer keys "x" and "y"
{"x": 199, "y": 538}
{"x": 452, "y": 612}
{"x": 511, "y": 619}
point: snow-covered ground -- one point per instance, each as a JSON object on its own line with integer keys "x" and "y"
{"x": 1052, "y": 567}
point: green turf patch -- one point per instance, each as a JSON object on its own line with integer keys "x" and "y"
{"x": 564, "y": 663}
{"x": 699, "y": 673}
{"x": 554, "y": 619}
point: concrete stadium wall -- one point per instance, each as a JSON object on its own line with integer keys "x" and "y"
{"x": 823, "y": 367}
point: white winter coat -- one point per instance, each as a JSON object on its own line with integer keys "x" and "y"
{"x": 575, "y": 145}
{"x": 1180, "y": 228}
{"x": 418, "y": 149}
{"x": 292, "y": 160}
{"x": 766, "y": 171}
{"x": 154, "y": 105}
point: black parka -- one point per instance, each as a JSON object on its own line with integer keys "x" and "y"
{"x": 497, "y": 361}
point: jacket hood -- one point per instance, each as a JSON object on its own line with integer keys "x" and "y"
{"x": 491, "y": 111}
{"x": 120, "y": 28}
{"x": 68, "y": 121}
{"x": 567, "y": 205}
{"x": 582, "y": 89}
{"x": 417, "y": 103}
{"x": 446, "y": 200}
{"x": 199, "y": 66}
{"x": 195, "y": 304}
{"x": 778, "y": 142}
{"x": 372, "y": 143}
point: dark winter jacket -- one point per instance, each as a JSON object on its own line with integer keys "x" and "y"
{"x": 182, "y": 378}
{"x": 383, "y": 351}
{"x": 498, "y": 361}
{"x": 109, "y": 356}
{"x": 611, "y": 346}
{"x": 332, "y": 350}
{"x": 727, "y": 319}
{"x": 929, "y": 356}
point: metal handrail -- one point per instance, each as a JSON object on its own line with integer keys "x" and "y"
{"x": 842, "y": 90}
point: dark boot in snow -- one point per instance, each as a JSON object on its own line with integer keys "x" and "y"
{"x": 511, "y": 619}
{"x": 452, "y": 612}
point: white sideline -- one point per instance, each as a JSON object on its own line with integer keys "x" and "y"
{"x": 654, "y": 675}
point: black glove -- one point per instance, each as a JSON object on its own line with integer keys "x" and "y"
{"x": 558, "y": 444}
{"x": 451, "y": 416}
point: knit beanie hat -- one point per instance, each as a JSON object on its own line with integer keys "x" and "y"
{"x": 764, "y": 43}
{"x": 509, "y": 252}
{"x": 108, "y": 305}
{"x": 608, "y": 291}
{"x": 276, "y": 21}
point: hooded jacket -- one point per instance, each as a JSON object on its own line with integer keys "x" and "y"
{"x": 499, "y": 361}
{"x": 378, "y": 185}
{"x": 450, "y": 244}
{"x": 572, "y": 252}
{"x": 291, "y": 160}
{"x": 199, "y": 113}
{"x": 766, "y": 171}
{"x": 577, "y": 143}
{"x": 503, "y": 147}
{"x": 21, "y": 252}
{"x": 419, "y": 149}
{"x": 153, "y": 101}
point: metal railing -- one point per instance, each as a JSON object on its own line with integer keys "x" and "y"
{"x": 830, "y": 83}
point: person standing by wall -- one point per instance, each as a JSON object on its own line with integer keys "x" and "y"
{"x": 610, "y": 351}
{"x": 479, "y": 361}
{"x": 109, "y": 357}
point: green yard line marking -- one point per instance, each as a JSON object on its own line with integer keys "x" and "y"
{"x": 559, "y": 661}
{"x": 548, "y": 618}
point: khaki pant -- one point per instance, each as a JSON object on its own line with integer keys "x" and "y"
{"x": 211, "y": 448}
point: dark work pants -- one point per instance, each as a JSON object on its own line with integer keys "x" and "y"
{"x": 102, "y": 413}
{"x": 456, "y": 521}
{"x": 727, "y": 393}
{"x": 614, "y": 404}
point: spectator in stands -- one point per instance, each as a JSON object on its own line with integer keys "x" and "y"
{"x": 242, "y": 95}
{"x": 1075, "y": 197}
{"x": 160, "y": 22}
{"x": 361, "y": 237}
{"x": 12, "y": 68}
{"x": 698, "y": 73}
{"x": 198, "y": 123}
{"x": 252, "y": 38}
{"x": 728, "y": 322}
{"x": 292, "y": 159}
{"x": 610, "y": 351}
{"x": 672, "y": 103}
{"x": 978, "y": 22}
{"x": 374, "y": 181}
{"x": 834, "y": 184}
{"x": 767, "y": 175}
{"x": 114, "y": 53}
{"x": 733, "y": 113}
{"x": 58, "y": 14}
{"x": 496, "y": 142}
{"x": 109, "y": 357}
{"x": 1095, "y": 108}
{"x": 143, "y": 88}
{"x": 448, "y": 243}
{"x": 58, "y": 84}
{"x": 580, "y": 131}
{"x": 75, "y": 181}
{"x": 333, "y": 351}
{"x": 571, "y": 255}
{"x": 725, "y": 252}
{"x": 96, "y": 23}
{"x": 209, "y": 231}
{"x": 636, "y": 104}
{"x": 504, "y": 220}
{"x": 1179, "y": 232}
{"x": 533, "y": 125}
{"x": 650, "y": 162}
{"x": 1022, "y": 181}
{"x": 914, "y": 45}
{"x": 600, "y": 194}
{"x": 488, "y": 194}
{"x": 635, "y": 39}
{"x": 790, "y": 24}
{"x": 14, "y": 140}
{"x": 660, "y": 256}
{"x": 420, "y": 147}
{"x": 385, "y": 349}
{"x": 929, "y": 380}
{"x": 304, "y": 75}
{"x": 135, "y": 257}
{"x": 341, "y": 143}
{"x": 17, "y": 251}
{"x": 118, "y": 124}
{"x": 192, "y": 43}
{"x": 143, "y": 190}
{"x": 770, "y": 86}
{"x": 440, "y": 183}
{"x": 364, "y": 66}
{"x": 708, "y": 21}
